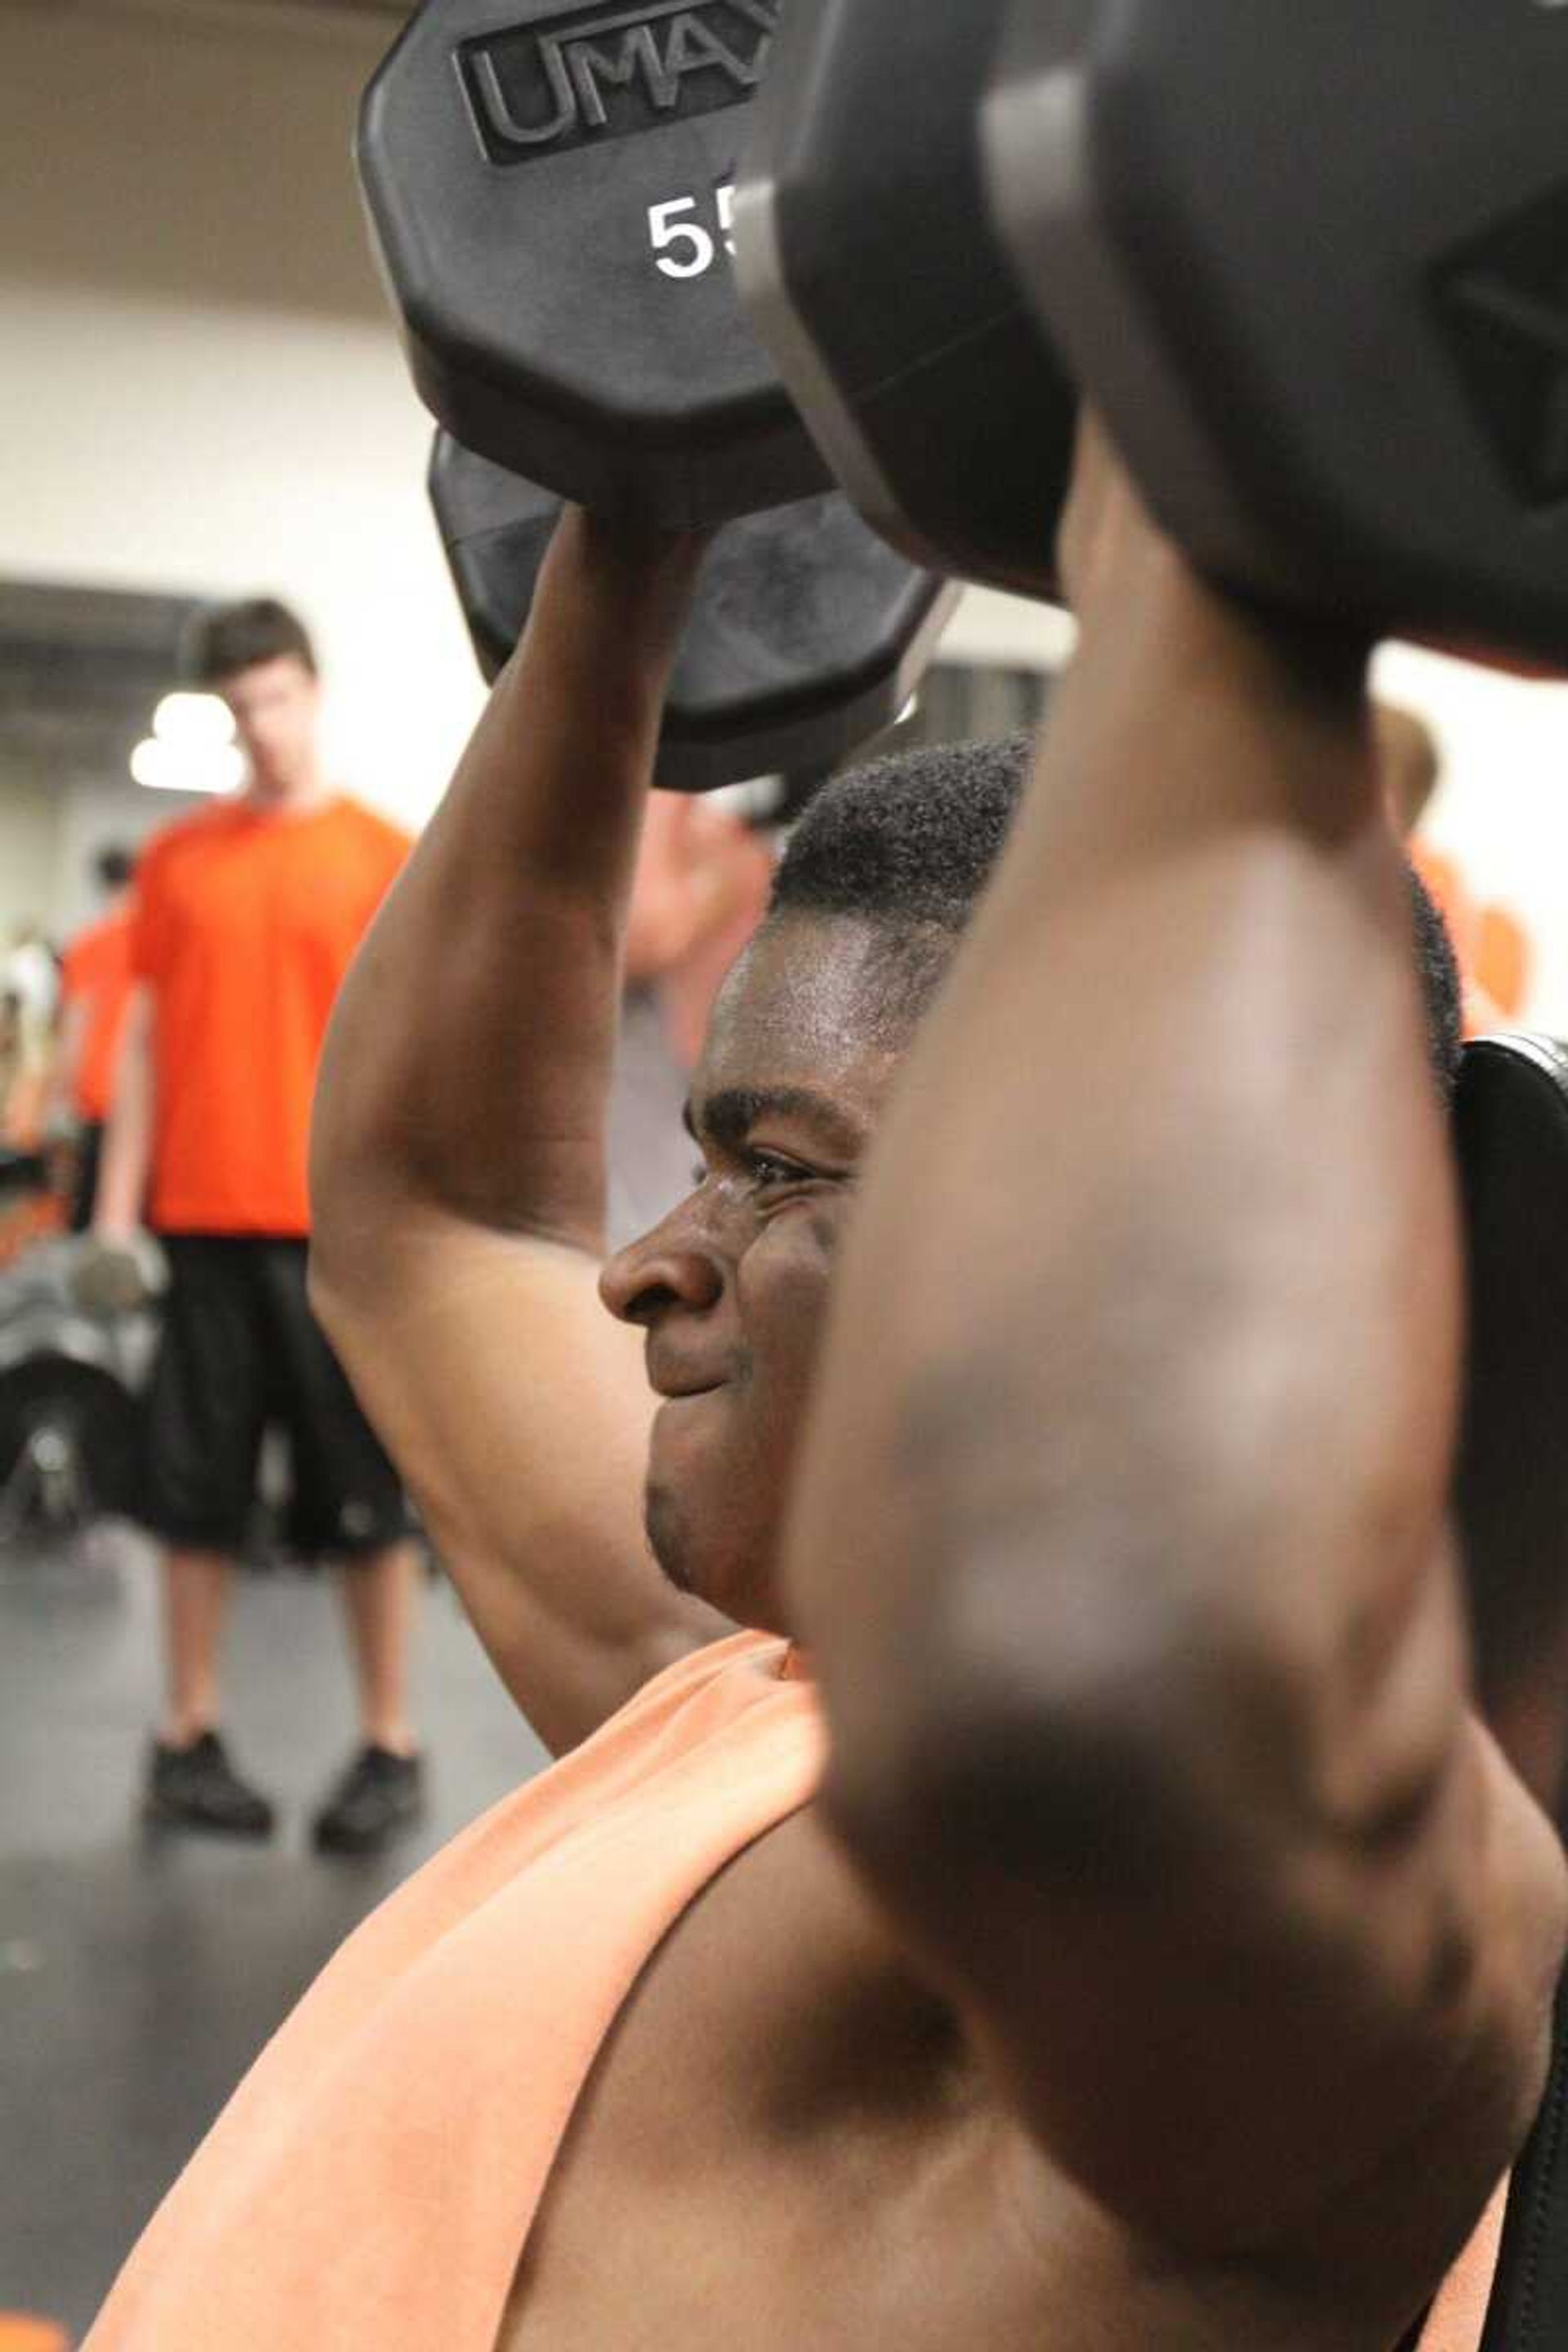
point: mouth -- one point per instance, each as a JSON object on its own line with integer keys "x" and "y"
{"x": 678, "y": 1384}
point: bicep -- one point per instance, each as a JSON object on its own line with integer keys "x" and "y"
{"x": 518, "y": 1413}
{"x": 1224, "y": 1993}
{"x": 1339, "y": 2069}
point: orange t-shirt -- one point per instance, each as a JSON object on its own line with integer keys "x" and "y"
{"x": 246, "y": 924}
{"x": 97, "y": 973}
{"x": 1504, "y": 961}
{"x": 372, "y": 2182}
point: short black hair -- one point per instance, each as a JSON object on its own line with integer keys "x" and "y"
{"x": 909, "y": 843}
{"x": 1442, "y": 986}
{"x": 223, "y": 639}
{"x": 113, "y": 868}
{"x": 906, "y": 843}
{"x": 911, "y": 839}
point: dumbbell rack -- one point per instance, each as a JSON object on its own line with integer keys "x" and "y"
{"x": 67, "y": 1388}
{"x": 48, "y": 1487}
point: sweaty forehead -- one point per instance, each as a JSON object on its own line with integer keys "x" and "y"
{"x": 805, "y": 1006}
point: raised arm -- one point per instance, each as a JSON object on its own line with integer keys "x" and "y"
{"x": 457, "y": 1166}
{"x": 1122, "y": 1535}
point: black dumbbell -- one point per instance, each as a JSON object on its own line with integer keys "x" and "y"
{"x": 1511, "y": 1491}
{"x": 870, "y": 266}
{"x": 1310, "y": 264}
{"x": 808, "y": 635}
{"x": 68, "y": 1424}
{"x": 549, "y": 191}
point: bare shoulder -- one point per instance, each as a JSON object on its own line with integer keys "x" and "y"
{"x": 845, "y": 2167}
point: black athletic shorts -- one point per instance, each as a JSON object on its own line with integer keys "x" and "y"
{"x": 84, "y": 1177}
{"x": 240, "y": 1352}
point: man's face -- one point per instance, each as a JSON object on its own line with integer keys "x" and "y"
{"x": 731, "y": 1289}
{"x": 276, "y": 705}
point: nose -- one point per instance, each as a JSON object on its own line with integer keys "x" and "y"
{"x": 673, "y": 1265}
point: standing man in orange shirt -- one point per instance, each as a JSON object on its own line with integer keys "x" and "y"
{"x": 95, "y": 989}
{"x": 248, "y": 916}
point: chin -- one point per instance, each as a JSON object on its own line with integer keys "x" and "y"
{"x": 726, "y": 1581}
{"x": 667, "y": 1538}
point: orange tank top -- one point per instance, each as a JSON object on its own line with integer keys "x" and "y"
{"x": 373, "y": 2181}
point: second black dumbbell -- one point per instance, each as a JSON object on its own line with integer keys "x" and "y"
{"x": 807, "y": 637}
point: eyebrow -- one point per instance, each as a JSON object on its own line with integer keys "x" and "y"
{"x": 728, "y": 1116}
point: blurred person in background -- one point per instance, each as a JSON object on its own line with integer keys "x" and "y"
{"x": 702, "y": 883}
{"x": 247, "y": 917}
{"x": 95, "y": 990}
{"x": 30, "y": 994}
{"x": 702, "y": 886}
{"x": 21, "y": 1081}
{"x": 1496, "y": 958}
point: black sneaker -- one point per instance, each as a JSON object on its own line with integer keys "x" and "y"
{"x": 379, "y": 1795}
{"x": 196, "y": 1788}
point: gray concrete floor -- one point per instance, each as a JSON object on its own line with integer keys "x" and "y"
{"x": 138, "y": 1980}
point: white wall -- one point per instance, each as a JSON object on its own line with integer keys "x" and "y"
{"x": 94, "y": 817}
{"x": 30, "y": 824}
{"x": 201, "y": 392}
{"x": 1503, "y": 806}
{"x": 242, "y": 450}
{"x": 50, "y": 835}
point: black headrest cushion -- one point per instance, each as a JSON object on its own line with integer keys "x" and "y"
{"x": 1511, "y": 1110}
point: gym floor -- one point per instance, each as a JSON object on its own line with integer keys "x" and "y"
{"x": 138, "y": 1979}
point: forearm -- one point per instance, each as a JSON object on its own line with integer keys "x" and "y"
{"x": 470, "y": 1051}
{"x": 59, "y": 1092}
{"x": 121, "y": 1201}
{"x": 1159, "y": 1253}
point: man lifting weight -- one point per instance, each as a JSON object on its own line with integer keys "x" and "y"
{"x": 1166, "y": 1957}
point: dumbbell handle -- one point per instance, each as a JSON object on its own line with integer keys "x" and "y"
{"x": 116, "y": 1274}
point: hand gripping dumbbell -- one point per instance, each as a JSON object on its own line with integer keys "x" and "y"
{"x": 1309, "y": 270}
{"x": 1309, "y": 264}
{"x": 804, "y": 640}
